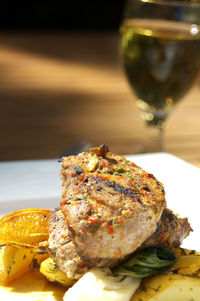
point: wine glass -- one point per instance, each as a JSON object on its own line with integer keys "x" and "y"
{"x": 160, "y": 49}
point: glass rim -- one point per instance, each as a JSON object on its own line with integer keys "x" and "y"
{"x": 180, "y": 3}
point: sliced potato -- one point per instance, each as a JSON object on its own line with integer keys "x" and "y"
{"x": 188, "y": 262}
{"x": 187, "y": 265}
{"x": 26, "y": 227}
{"x": 185, "y": 252}
{"x": 49, "y": 269}
{"x": 168, "y": 287}
{"x": 16, "y": 261}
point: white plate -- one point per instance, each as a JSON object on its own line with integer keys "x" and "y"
{"x": 36, "y": 184}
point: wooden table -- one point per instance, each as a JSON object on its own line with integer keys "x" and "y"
{"x": 58, "y": 88}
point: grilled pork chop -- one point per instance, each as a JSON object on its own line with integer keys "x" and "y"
{"x": 111, "y": 205}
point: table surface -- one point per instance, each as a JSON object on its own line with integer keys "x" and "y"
{"x": 57, "y": 88}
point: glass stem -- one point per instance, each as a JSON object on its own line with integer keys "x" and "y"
{"x": 154, "y": 139}
{"x": 161, "y": 144}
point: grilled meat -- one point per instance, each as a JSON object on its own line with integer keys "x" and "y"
{"x": 62, "y": 249}
{"x": 110, "y": 204}
{"x": 170, "y": 232}
{"x": 110, "y": 208}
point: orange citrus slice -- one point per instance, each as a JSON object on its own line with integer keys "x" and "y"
{"x": 27, "y": 227}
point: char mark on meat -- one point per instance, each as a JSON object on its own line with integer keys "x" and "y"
{"x": 119, "y": 188}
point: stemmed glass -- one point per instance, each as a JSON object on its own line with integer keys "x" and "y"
{"x": 160, "y": 49}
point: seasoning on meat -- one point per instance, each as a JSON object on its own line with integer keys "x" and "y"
{"x": 118, "y": 224}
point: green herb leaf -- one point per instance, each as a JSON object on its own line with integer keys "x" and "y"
{"x": 147, "y": 262}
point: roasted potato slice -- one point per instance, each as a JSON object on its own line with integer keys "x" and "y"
{"x": 16, "y": 261}
{"x": 49, "y": 269}
{"x": 168, "y": 287}
{"x": 185, "y": 252}
{"x": 26, "y": 227}
{"x": 187, "y": 265}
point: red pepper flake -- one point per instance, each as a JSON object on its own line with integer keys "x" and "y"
{"x": 110, "y": 229}
{"x": 144, "y": 192}
{"x": 118, "y": 253}
{"x": 63, "y": 202}
{"x": 101, "y": 201}
{"x": 104, "y": 164}
{"x": 130, "y": 182}
{"x": 133, "y": 164}
{"x": 82, "y": 176}
{"x": 121, "y": 222}
{"x": 93, "y": 223}
{"x": 93, "y": 219}
{"x": 83, "y": 230}
{"x": 72, "y": 173}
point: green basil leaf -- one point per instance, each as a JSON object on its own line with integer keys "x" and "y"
{"x": 147, "y": 262}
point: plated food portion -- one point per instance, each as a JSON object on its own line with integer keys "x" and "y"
{"x": 110, "y": 236}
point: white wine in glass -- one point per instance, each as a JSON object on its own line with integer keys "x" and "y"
{"x": 160, "y": 47}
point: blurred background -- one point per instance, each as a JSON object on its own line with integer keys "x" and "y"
{"x": 61, "y": 82}
{"x": 74, "y": 15}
